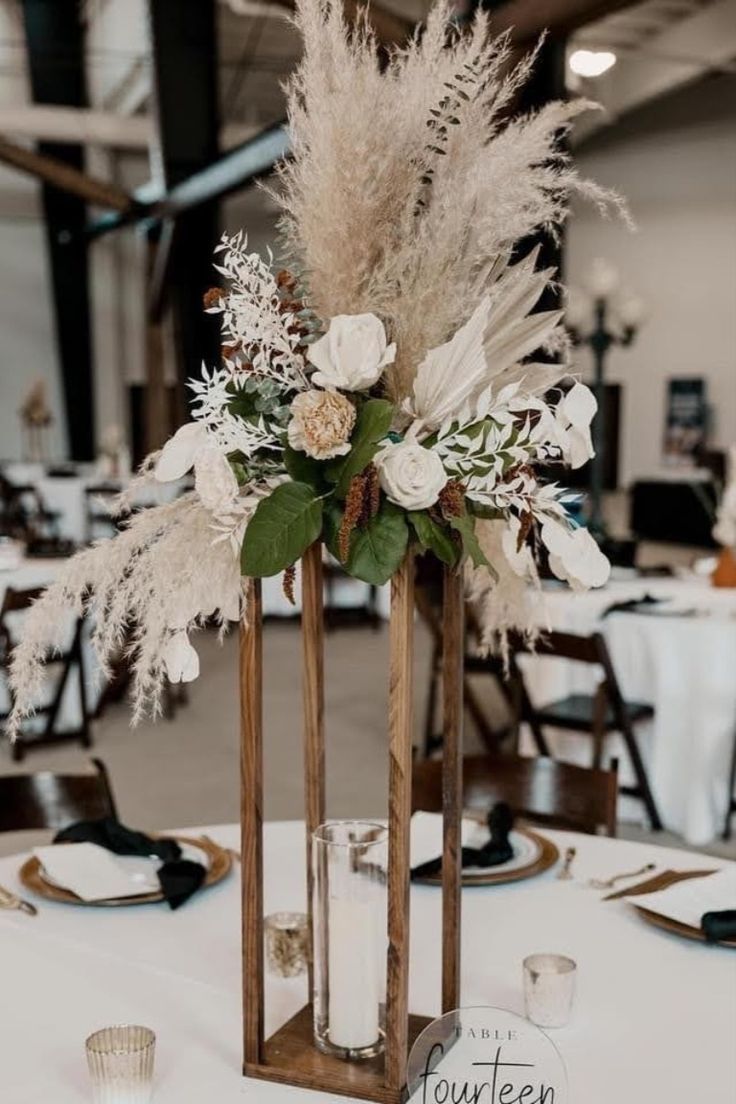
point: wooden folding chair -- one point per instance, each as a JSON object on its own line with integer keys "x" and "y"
{"x": 61, "y": 666}
{"x": 542, "y": 790}
{"x": 596, "y": 714}
{"x": 46, "y": 800}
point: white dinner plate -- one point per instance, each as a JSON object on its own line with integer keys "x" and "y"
{"x": 141, "y": 869}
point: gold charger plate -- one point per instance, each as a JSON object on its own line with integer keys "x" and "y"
{"x": 219, "y": 867}
{"x": 547, "y": 857}
{"x": 677, "y": 928}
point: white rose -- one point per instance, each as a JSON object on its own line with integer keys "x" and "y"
{"x": 411, "y": 476}
{"x": 574, "y": 555}
{"x": 214, "y": 480}
{"x": 352, "y": 354}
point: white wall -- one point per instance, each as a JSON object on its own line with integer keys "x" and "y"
{"x": 675, "y": 161}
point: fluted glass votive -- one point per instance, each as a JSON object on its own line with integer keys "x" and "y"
{"x": 549, "y": 989}
{"x": 120, "y": 1061}
{"x": 287, "y": 943}
{"x": 350, "y": 938}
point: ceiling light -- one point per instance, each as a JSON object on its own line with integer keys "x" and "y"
{"x": 591, "y": 63}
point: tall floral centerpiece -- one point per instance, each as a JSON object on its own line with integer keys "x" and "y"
{"x": 378, "y": 391}
{"x": 388, "y": 388}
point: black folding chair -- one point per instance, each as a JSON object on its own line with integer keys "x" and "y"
{"x": 596, "y": 714}
{"x": 60, "y": 666}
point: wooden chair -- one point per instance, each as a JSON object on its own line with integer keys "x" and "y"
{"x": 61, "y": 666}
{"x": 596, "y": 714}
{"x": 46, "y": 800}
{"x": 543, "y": 790}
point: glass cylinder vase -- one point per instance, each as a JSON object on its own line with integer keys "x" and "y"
{"x": 349, "y": 912}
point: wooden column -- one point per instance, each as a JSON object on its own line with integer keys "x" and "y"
{"x": 399, "y": 813}
{"x": 313, "y": 697}
{"x": 251, "y": 775}
{"x": 453, "y": 647}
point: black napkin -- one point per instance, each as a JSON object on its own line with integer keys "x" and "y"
{"x": 631, "y": 605}
{"x": 179, "y": 878}
{"x": 497, "y": 850}
{"x": 719, "y": 925}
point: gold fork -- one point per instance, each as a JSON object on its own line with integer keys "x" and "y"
{"x": 10, "y": 900}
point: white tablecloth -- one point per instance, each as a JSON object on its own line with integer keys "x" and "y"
{"x": 685, "y": 666}
{"x": 654, "y": 1021}
{"x": 39, "y": 572}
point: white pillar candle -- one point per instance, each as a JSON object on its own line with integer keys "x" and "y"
{"x": 353, "y": 974}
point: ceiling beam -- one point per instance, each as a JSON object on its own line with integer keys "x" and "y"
{"x": 687, "y": 50}
{"x": 66, "y": 178}
{"x": 701, "y": 43}
{"x": 230, "y": 173}
{"x": 390, "y": 29}
{"x": 527, "y": 19}
{"x": 79, "y": 125}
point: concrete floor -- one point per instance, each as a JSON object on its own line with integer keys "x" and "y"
{"x": 186, "y": 771}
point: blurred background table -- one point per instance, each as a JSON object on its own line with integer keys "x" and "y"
{"x": 680, "y": 656}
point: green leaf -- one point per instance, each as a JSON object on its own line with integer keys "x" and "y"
{"x": 283, "y": 526}
{"x": 433, "y": 537}
{"x": 465, "y": 526}
{"x": 378, "y": 548}
{"x": 371, "y": 426}
{"x": 239, "y": 472}
{"x": 305, "y": 469}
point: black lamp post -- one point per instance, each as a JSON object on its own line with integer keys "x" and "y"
{"x": 613, "y": 324}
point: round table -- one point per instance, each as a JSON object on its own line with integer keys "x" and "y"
{"x": 654, "y": 1019}
{"x": 683, "y": 663}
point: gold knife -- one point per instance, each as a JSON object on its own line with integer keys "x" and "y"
{"x": 10, "y": 900}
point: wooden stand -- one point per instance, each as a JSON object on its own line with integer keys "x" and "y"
{"x": 290, "y": 1056}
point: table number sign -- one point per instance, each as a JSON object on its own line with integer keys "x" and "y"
{"x": 485, "y": 1056}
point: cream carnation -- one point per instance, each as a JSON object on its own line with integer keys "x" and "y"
{"x": 411, "y": 475}
{"x": 352, "y": 354}
{"x": 321, "y": 424}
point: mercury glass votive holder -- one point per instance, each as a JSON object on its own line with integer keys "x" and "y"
{"x": 120, "y": 1061}
{"x": 549, "y": 989}
{"x": 287, "y": 943}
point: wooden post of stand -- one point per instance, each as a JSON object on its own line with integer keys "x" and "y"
{"x": 453, "y": 647}
{"x": 400, "y": 709}
{"x": 313, "y": 697}
{"x": 290, "y": 1056}
{"x": 251, "y": 768}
